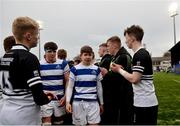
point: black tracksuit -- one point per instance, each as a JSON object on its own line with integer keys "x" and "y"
{"x": 118, "y": 93}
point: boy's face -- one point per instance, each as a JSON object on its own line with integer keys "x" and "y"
{"x": 86, "y": 58}
{"x": 111, "y": 48}
{"x": 129, "y": 40}
{"x": 32, "y": 36}
{"x": 101, "y": 51}
{"x": 50, "y": 56}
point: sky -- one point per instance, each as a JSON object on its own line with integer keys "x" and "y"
{"x": 75, "y": 23}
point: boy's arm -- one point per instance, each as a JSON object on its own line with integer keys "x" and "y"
{"x": 69, "y": 90}
{"x": 66, "y": 79}
{"x": 100, "y": 96}
{"x": 100, "y": 92}
{"x": 62, "y": 101}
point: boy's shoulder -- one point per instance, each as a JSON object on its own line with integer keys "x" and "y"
{"x": 81, "y": 66}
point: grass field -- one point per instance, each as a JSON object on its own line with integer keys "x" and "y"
{"x": 168, "y": 92}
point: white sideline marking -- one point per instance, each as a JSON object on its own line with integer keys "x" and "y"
{"x": 177, "y": 81}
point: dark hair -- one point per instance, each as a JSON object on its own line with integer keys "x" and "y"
{"x": 8, "y": 43}
{"x": 136, "y": 31}
{"x": 62, "y": 54}
{"x": 77, "y": 59}
{"x": 115, "y": 39}
{"x": 86, "y": 49}
{"x": 50, "y": 46}
{"x": 71, "y": 63}
{"x": 93, "y": 55}
{"x": 103, "y": 45}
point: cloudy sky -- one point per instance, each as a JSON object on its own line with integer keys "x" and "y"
{"x": 74, "y": 23}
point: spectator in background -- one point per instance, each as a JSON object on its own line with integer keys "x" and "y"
{"x": 62, "y": 54}
{"x": 71, "y": 63}
{"x": 77, "y": 60}
{"x": 104, "y": 63}
{"x": 105, "y": 56}
{"x": 9, "y": 42}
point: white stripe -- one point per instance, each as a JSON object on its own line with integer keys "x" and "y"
{"x": 52, "y": 82}
{"x": 137, "y": 70}
{"x": 51, "y": 72}
{"x": 86, "y": 96}
{"x": 72, "y": 75}
{"x": 86, "y": 78}
{"x": 24, "y": 90}
{"x": 34, "y": 83}
{"x": 29, "y": 98}
{"x": 32, "y": 79}
{"x": 146, "y": 78}
{"x": 59, "y": 92}
{"x": 147, "y": 75}
{"x": 140, "y": 67}
{"x": 66, "y": 68}
{"x": 86, "y": 89}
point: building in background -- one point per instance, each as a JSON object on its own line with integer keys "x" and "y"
{"x": 161, "y": 63}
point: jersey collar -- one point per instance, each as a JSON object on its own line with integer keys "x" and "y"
{"x": 20, "y": 46}
{"x": 138, "y": 49}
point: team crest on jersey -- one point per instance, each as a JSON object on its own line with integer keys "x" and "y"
{"x": 36, "y": 73}
{"x": 58, "y": 66}
{"x": 93, "y": 72}
{"x": 138, "y": 63}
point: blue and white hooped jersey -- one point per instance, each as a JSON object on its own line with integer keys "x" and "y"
{"x": 52, "y": 75}
{"x": 85, "y": 78}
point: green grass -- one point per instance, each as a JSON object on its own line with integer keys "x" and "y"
{"x": 168, "y": 93}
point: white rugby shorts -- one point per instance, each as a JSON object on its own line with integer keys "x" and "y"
{"x": 52, "y": 108}
{"x": 85, "y": 112}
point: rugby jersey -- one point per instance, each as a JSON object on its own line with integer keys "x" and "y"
{"x": 20, "y": 77}
{"x": 144, "y": 91}
{"x": 52, "y": 75}
{"x": 85, "y": 82}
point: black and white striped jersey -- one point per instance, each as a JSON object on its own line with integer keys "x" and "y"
{"x": 20, "y": 76}
{"x": 144, "y": 91}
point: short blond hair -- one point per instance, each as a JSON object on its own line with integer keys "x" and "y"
{"x": 22, "y": 25}
{"x": 115, "y": 39}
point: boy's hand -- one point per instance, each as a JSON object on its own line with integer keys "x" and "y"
{"x": 68, "y": 108}
{"x": 62, "y": 101}
{"x": 101, "y": 109}
{"x": 104, "y": 71}
{"x": 115, "y": 67}
{"x": 50, "y": 95}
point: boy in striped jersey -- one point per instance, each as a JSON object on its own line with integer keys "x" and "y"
{"x": 85, "y": 79}
{"x": 145, "y": 100}
{"x": 55, "y": 74}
